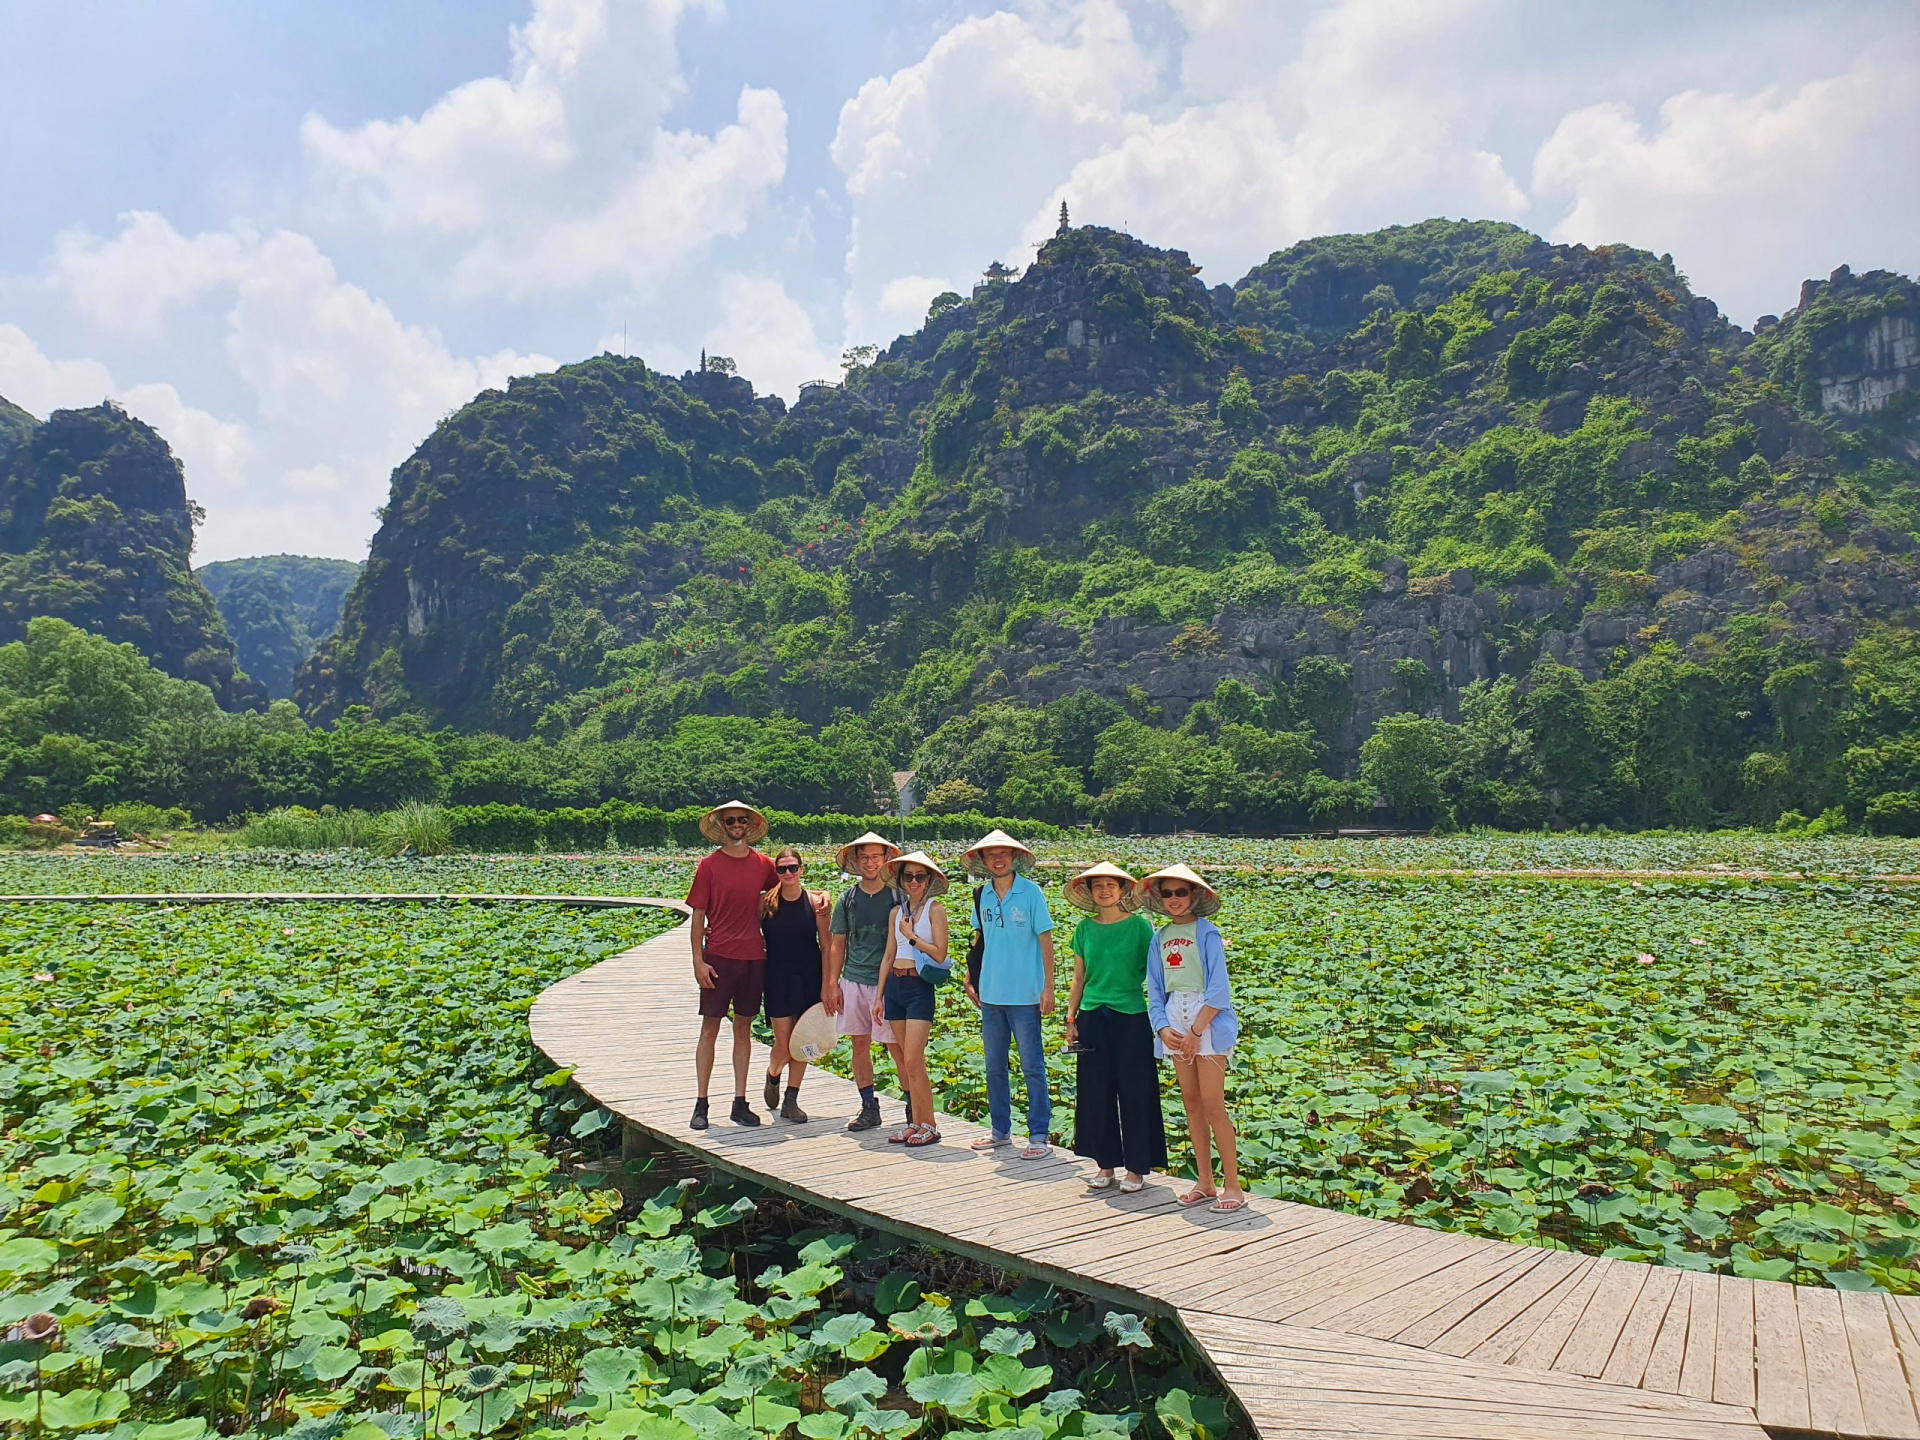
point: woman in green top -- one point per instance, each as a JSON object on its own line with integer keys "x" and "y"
{"x": 1117, "y": 1118}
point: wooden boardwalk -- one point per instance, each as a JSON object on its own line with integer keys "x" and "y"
{"x": 1322, "y": 1324}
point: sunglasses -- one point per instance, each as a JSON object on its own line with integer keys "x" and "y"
{"x": 1167, "y": 892}
{"x": 915, "y": 877}
{"x": 741, "y": 820}
{"x": 786, "y": 869}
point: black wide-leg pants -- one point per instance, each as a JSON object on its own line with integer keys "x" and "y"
{"x": 1117, "y": 1119}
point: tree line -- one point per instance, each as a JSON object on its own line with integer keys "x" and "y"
{"x": 1762, "y": 735}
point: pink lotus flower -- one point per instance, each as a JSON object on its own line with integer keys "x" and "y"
{"x": 1645, "y": 959}
{"x": 44, "y": 978}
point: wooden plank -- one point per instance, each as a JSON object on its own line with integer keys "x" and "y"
{"x": 1590, "y": 1343}
{"x": 1372, "y": 1387}
{"x": 1734, "y": 1359}
{"x": 1159, "y": 1260}
{"x": 1387, "y": 1279}
{"x": 1833, "y": 1392}
{"x": 1306, "y": 1279}
{"x": 1886, "y": 1395}
{"x": 1667, "y": 1356}
{"x": 1780, "y": 1362}
{"x": 1540, "y": 1349}
{"x": 1627, "y": 1365}
{"x": 1441, "y": 1299}
{"x": 1303, "y": 1251}
{"x": 1493, "y": 1330}
{"x": 1703, "y": 1329}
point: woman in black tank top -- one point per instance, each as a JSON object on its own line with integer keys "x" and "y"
{"x": 791, "y": 921}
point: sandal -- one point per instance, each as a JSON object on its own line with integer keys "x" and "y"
{"x": 922, "y": 1135}
{"x": 902, "y": 1137}
{"x": 992, "y": 1142}
{"x": 1195, "y": 1197}
{"x": 1132, "y": 1185}
{"x": 1227, "y": 1204}
{"x": 1036, "y": 1151}
{"x": 1101, "y": 1181}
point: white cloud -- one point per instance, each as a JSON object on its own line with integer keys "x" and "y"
{"x": 770, "y": 335}
{"x": 36, "y": 383}
{"x": 342, "y": 390}
{"x": 1281, "y": 122}
{"x": 1751, "y": 192}
{"x": 946, "y": 158}
{"x": 1368, "y": 124}
{"x": 563, "y": 173}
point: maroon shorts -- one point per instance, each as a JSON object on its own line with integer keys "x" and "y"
{"x": 736, "y": 983}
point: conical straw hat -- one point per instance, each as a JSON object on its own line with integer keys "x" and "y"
{"x": 711, "y": 827}
{"x": 844, "y": 857}
{"x": 996, "y": 839}
{"x": 1206, "y": 899}
{"x": 935, "y": 886}
{"x": 1079, "y": 890}
{"x": 815, "y": 1033}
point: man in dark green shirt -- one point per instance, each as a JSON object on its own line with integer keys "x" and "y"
{"x": 862, "y": 921}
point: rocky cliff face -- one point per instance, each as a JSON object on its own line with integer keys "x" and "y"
{"x": 278, "y": 608}
{"x": 96, "y": 528}
{"x": 1452, "y": 445}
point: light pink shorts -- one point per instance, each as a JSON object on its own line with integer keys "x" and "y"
{"x": 860, "y": 1012}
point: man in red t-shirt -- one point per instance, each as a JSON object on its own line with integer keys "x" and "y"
{"x": 728, "y": 953}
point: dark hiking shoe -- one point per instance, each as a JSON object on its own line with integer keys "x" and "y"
{"x": 743, "y": 1112}
{"x": 909, "y": 1100}
{"x": 791, "y": 1110}
{"x": 868, "y": 1118}
{"x": 699, "y": 1121}
{"x": 772, "y": 1093}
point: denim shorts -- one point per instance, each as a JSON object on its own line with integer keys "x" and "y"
{"x": 909, "y": 998}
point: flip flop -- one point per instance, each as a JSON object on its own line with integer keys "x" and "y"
{"x": 1036, "y": 1152}
{"x": 1227, "y": 1204}
{"x": 993, "y": 1142}
{"x": 1195, "y": 1197}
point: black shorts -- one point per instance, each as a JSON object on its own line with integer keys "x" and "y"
{"x": 791, "y": 990}
{"x": 909, "y": 998}
{"x": 736, "y": 983}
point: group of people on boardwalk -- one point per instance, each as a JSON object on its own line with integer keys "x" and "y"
{"x": 874, "y": 959}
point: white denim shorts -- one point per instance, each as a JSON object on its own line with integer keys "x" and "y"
{"x": 1182, "y": 1008}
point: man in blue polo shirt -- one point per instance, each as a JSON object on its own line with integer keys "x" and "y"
{"x": 1016, "y": 987}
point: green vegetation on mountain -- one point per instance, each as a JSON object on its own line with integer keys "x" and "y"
{"x": 278, "y": 608}
{"x": 1443, "y": 519}
{"x": 96, "y": 529}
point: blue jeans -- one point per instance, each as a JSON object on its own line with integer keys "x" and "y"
{"x": 1001, "y": 1025}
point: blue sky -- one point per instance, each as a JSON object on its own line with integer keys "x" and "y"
{"x": 293, "y": 237}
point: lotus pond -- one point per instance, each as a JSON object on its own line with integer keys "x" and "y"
{"x": 296, "y": 1169}
{"x": 1706, "y": 1072}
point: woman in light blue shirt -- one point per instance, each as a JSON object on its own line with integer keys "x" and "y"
{"x": 1191, "y": 1008}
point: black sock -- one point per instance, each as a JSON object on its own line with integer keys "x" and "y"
{"x": 866, "y": 1095}
{"x": 793, "y": 1089}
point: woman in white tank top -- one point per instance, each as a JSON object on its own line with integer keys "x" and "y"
{"x": 916, "y": 965}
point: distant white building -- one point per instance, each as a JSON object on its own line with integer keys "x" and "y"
{"x": 905, "y": 799}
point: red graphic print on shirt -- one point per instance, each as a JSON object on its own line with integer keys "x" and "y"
{"x": 1177, "y": 952}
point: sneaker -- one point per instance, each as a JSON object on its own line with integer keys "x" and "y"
{"x": 791, "y": 1110}
{"x": 772, "y": 1093}
{"x": 699, "y": 1121}
{"x": 743, "y": 1112}
{"x": 868, "y": 1118}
